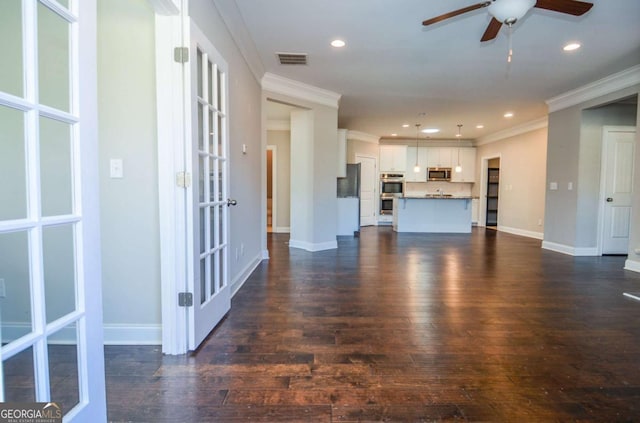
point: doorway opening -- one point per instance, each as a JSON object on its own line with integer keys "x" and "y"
{"x": 271, "y": 186}
{"x": 493, "y": 191}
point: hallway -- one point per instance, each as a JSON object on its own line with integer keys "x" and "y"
{"x": 404, "y": 328}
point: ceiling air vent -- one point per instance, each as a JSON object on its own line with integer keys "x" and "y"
{"x": 292, "y": 58}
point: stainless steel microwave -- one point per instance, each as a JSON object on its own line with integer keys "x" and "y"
{"x": 439, "y": 174}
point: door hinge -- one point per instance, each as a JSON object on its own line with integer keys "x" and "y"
{"x": 183, "y": 179}
{"x": 181, "y": 54}
{"x": 185, "y": 299}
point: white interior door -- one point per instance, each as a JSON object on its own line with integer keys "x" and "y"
{"x": 618, "y": 155}
{"x": 50, "y": 286}
{"x": 210, "y": 164}
{"x": 368, "y": 184}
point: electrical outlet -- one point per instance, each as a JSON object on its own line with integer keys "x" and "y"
{"x": 241, "y": 250}
{"x": 539, "y": 222}
{"x": 3, "y": 291}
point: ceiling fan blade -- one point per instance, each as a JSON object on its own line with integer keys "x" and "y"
{"x": 455, "y": 13}
{"x": 492, "y": 30}
{"x": 570, "y": 7}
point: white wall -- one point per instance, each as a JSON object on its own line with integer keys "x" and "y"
{"x": 574, "y": 155}
{"x": 282, "y": 141}
{"x": 324, "y": 224}
{"x": 522, "y": 180}
{"x": 127, "y": 130}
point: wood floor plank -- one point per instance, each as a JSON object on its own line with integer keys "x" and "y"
{"x": 404, "y": 328}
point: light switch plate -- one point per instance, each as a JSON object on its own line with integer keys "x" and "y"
{"x": 115, "y": 168}
{"x": 553, "y": 186}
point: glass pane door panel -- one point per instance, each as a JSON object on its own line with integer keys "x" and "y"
{"x": 203, "y": 280}
{"x": 14, "y": 265}
{"x": 221, "y": 151}
{"x": 56, "y": 167}
{"x": 11, "y": 70}
{"x": 13, "y": 188}
{"x": 201, "y": 232}
{"x": 200, "y": 127}
{"x": 219, "y": 89}
{"x": 199, "y": 71}
{"x": 64, "y": 3}
{"x": 212, "y": 228}
{"x": 213, "y": 284}
{"x": 63, "y": 367}
{"x": 210, "y": 73}
{"x": 19, "y": 380}
{"x": 219, "y": 258}
{"x": 212, "y": 132}
{"x": 201, "y": 177}
{"x": 53, "y": 59}
{"x": 220, "y": 219}
{"x": 59, "y": 270}
{"x": 221, "y": 191}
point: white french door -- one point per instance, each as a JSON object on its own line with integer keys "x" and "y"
{"x": 209, "y": 203}
{"x": 50, "y": 286}
{"x": 618, "y": 155}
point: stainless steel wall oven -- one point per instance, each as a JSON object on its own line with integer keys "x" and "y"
{"x": 391, "y": 185}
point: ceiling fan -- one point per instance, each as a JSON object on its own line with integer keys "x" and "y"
{"x": 509, "y": 11}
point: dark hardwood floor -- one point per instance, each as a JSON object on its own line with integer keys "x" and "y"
{"x": 404, "y": 328}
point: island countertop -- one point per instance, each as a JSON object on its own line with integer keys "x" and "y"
{"x": 441, "y": 214}
{"x": 435, "y": 197}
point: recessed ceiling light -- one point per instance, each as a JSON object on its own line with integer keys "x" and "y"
{"x": 571, "y": 47}
{"x": 338, "y": 43}
{"x": 431, "y": 130}
{"x": 405, "y": 125}
{"x": 479, "y": 126}
{"x": 508, "y": 115}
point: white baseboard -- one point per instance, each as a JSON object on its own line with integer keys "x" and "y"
{"x": 632, "y": 265}
{"x": 572, "y": 251}
{"x": 265, "y": 254}
{"x": 309, "y": 246}
{"x": 114, "y": 334}
{"x": 282, "y": 229}
{"x": 126, "y": 334}
{"x": 521, "y": 232}
{"x": 242, "y": 277}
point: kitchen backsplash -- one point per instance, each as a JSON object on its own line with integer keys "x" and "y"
{"x": 423, "y": 188}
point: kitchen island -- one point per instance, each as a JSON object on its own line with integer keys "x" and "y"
{"x": 432, "y": 213}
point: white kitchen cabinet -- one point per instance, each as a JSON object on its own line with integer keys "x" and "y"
{"x": 410, "y": 175}
{"x": 393, "y": 158}
{"x": 439, "y": 156}
{"x": 467, "y": 162}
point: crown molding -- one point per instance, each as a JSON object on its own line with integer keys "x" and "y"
{"x": 278, "y": 125}
{"x": 604, "y": 86}
{"x": 512, "y": 132}
{"x": 300, "y": 90}
{"x": 237, "y": 28}
{"x": 165, "y": 7}
{"x": 362, "y": 136}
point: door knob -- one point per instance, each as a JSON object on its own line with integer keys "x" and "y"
{"x": 609, "y": 200}
{"x": 231, "y": 202}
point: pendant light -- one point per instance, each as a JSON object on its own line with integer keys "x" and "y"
{"x": 458, "y": 167}
{"x": 416, "y": 168}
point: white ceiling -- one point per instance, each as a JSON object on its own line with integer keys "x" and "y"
{"x": 393, "y": 69}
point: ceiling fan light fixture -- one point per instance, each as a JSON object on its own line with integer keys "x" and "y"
{"x": 571, "y": 47}
{"x": 509, "y": 11}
